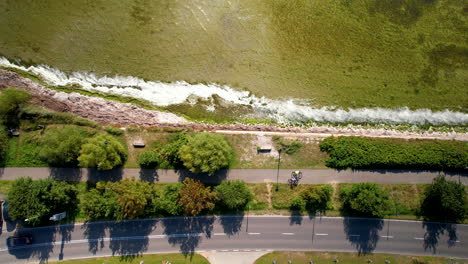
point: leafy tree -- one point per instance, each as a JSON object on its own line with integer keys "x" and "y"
{"x": 195, "y": 198}
{"x": 233, "y": 195}
{"x": 12, "y": 102}
{"x": 169, "y": 153}
{"x": 206, "y": 152}
{"x": 61, "y": 146}
{"x": 102, "y": 151}
{"x": 366, "y": 200}
{"x": 168, "y": 202}
{"x": 37, "y": 200}
{"x": 99, "y": 202}
{"x": 135, "y": 198}
{"x": 317, "y": 198}
{"x": 444, "y": 201}
{"x": 148, "y": 159}
{"x": 298, "y": 203}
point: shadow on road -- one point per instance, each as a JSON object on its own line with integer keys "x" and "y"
{"x": 95, "y": 233}
{"x": 149, "y": 175}
{"x": 187, "y": 232}
{"x": 231, "y": 224}
{"x": 433, "y": 233}
{"x": 114, "y": 175}
{"x": 363, "y": 233}
{"x": 217, "y": 178}
{"x": 65, "y": 174}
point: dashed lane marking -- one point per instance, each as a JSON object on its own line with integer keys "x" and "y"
{"x": 321, "y": 234}
{"x": 387, "y": 236}
{"x": 419, "y": 238}
{"x": 288, "y": 234}
{"x": 254, "y": 233}
{"x": 219, "y": 234}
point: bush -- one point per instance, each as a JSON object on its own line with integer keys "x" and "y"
{"x": 298, "y": 203}
{"x": 99, "y": 203}
{"x": 61, "y": 146}
{"x": 289, "y": 147}
{"x": 233, "y": 195}
{"x": 12, "y": 102}
{"x": 365, "y": 200}
{"x": 148, "y": 159}
{"x": 359, "y": 153}
{"x": 38, "y": 200}
{"x": 317, "y": 198}
{"x": 444, "y": 201}
{"x": 206, "y": 153}
{"x": 113, "y": 130}
{"x": 103, "y": 152}
{"x": 3, "y": 143}
{"x": 169, "y": 153}
{"x": 195, "y": 198}
{"x": 168, "y": 202}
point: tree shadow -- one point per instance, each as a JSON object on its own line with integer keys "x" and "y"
{"x": 65, "y": 174}
{"x": 65, "y": 232}
{"x": 149, "y": 175}
{"x": 114, "y": 175}
{"x": 363, "y": 233}
{"x": 187, "y": 232}
{"x": 217, "y": 178}
{"x": 2, "y": 169}
{"x": 433, "y": 233}
{"x": 130, "y": 238}
{"x": 295, "y": 217}
{"x": 231, "y": 224}
{"x": 42, "y": 252}
{"x": 95, "y": 233}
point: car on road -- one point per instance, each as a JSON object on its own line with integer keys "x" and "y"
{"x": 18, "y": 241}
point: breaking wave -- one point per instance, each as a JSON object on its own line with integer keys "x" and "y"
{"x": 283, "y": 111}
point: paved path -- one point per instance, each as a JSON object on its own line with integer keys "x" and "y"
{"x": 248, "y": 175}
{"x": 238, "y": 234}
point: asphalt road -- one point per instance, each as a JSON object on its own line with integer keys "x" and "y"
{"x": 240, "y": 233}
{"x": 248, "y": 175}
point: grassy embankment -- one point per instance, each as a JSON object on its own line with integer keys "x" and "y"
{"x": 368, "y": 53}
{"x": 347, "y": 258}
{"x": 152, "y": 258}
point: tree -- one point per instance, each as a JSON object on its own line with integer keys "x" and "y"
{"x": 100, "y": 202}
{"x": 61, "y": 146}
{"x": 12, "y": 102}
{"x": 195, "y": 198}
{"x": 317, "y": 198}
{"x": 366, "y": 200}
{"x": 206, "y": 152}
{"x": 444, "y": 201}
{"x": 168, "y": 202}
{"x": 233, "y": 195}
{"x": 135, "y": 198}
{"x": 37, "y": 200}
{"x": 148, "y": 159}
{"x": 169, "y": 153}
{"x": 102, "y": 151}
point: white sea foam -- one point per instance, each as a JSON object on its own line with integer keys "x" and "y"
{"x": 285, "y": 111}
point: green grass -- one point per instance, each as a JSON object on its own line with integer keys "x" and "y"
{"x": 153, "y": 258}
{"x": 5, "y": 186}
{"x": 360, "y": 53}
{"x": 347, "y": 258}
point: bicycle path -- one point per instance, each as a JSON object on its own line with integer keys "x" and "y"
{"x": 319, "y": 176}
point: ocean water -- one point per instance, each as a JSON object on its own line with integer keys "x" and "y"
{"x": 287, "y": 111}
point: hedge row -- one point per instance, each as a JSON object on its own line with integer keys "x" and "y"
{"x": 369, "y": 153}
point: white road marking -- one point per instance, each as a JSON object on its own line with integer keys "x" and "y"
{"x": 354, "y": 235}
{"x": 387, "y": 236}
{"x": 288, "y": 234}
{"x": 235, "y": 250}
{"x": 254, "y": 233}
{"x": 454, "y": 241}
{"x": 258, "y": 250}
{"x": 321, "y": 234}
{"x": 224, "y": 250}
{"x": 419, "y": 238}
{"x": 219, "y": 234}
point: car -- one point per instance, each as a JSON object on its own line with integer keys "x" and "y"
{"x": 18, "y": 241}
{"x": 5, "y": 209}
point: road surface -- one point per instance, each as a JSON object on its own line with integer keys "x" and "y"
{"x": 248, "y": 175}
{"x": 237, "y": 234}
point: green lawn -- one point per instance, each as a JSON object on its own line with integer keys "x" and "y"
{"x": 159, "y": 258}
{"x": 361, "y": 53}
{"x": 347, "y": 258}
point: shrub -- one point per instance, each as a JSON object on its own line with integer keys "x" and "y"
{"x": 103, "y": 152}
{"x": 169, "y": 153}
{"x": 168, "y": 202}
{"x": 289, "y": 147}
{"x": 365, "y": 200}
{"x": 298, "y": 203}
{"x": 317, "y": 198}
{"x": 444, "y": 201}
{"x": 358, "y": 152}
{"x": 3, "y": 143}
{"x": 148, "y": 159}
{"x": 38, "y": 200}
{"x": 206, "y": 153}
{"x": 113, "y": 130}
{"x": 12, "y": 102}
{"x": 61, "y": 146}
{"x": 233, "y": 195}
{"x": 195, "y": 198}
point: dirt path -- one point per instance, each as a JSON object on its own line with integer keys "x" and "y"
{"x": 111, "y": 112}
{"x": 269, "y": 188}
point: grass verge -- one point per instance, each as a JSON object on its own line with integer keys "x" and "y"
{"x": 153, "y": 258}
{"x": 345, "y": 258}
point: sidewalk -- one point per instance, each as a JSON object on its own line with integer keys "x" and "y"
{"x": 247, "y": 175}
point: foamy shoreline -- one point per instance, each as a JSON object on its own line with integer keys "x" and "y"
{"x": 282, "y": 111}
